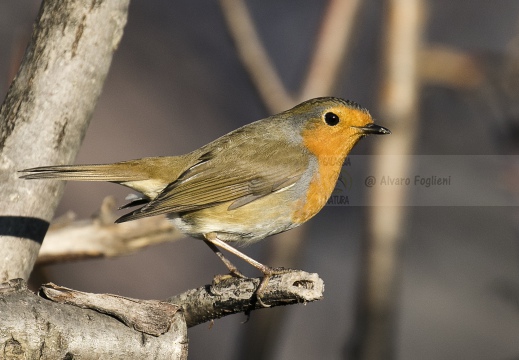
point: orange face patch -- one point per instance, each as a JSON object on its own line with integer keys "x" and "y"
{"x": 330, "y": 143}
{"x": 337, "y": 140}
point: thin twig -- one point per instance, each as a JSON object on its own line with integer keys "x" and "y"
{"x": 254, "y": 56}
{"x": 449, "y": 67}
{"x": 332, "y": 43}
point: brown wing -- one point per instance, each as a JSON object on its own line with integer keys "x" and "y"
{"x": 230, "y": 173}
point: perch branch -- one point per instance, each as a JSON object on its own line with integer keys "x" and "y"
{"x": 236, "y": 295}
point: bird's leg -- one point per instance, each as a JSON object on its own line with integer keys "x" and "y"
{"x": 214, "y": 243}
{"x": 232, "y": 268}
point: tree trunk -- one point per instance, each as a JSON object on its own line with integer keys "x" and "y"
{"x": 46, "y": 113}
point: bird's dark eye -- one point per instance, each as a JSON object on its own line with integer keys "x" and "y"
{"x": 331, "y": 119}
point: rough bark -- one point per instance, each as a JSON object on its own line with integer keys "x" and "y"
{"x": 152, "y": 317}
{"x": 45, "y": 115}
{"x": 61, "y": 331}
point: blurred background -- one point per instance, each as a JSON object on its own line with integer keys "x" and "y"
{"x": 402, "y": 282}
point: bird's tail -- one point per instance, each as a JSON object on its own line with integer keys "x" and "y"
{"x": 118, "y": 172}
{"x": 148, "y": 176}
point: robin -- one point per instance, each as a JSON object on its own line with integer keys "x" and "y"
{"x": 261, "y": 179}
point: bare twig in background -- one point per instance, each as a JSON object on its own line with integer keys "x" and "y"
{"x": 254, "y": 56}
{"x": 332, "y": 43}
{"x": 337, "y": 26}
{"x": 449, "y": 67}
{"x": 399, "y": 108}
{"x": 100, "y": 237}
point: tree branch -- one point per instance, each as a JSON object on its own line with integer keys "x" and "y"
{"x": 152, "y": 317}
{"x": 69, "y": 240}
{"x": 236, "y": 295}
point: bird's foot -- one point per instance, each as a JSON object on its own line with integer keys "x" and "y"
{"x": 268, "y": 272}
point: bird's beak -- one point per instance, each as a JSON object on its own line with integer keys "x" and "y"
{"x": 373, "y": 129}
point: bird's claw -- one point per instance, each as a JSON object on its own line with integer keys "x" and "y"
{"x": 217, "y": 279}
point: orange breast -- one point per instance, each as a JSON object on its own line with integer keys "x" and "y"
{"x": 319, "y": 190}
{"x": 331, "y": 150}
